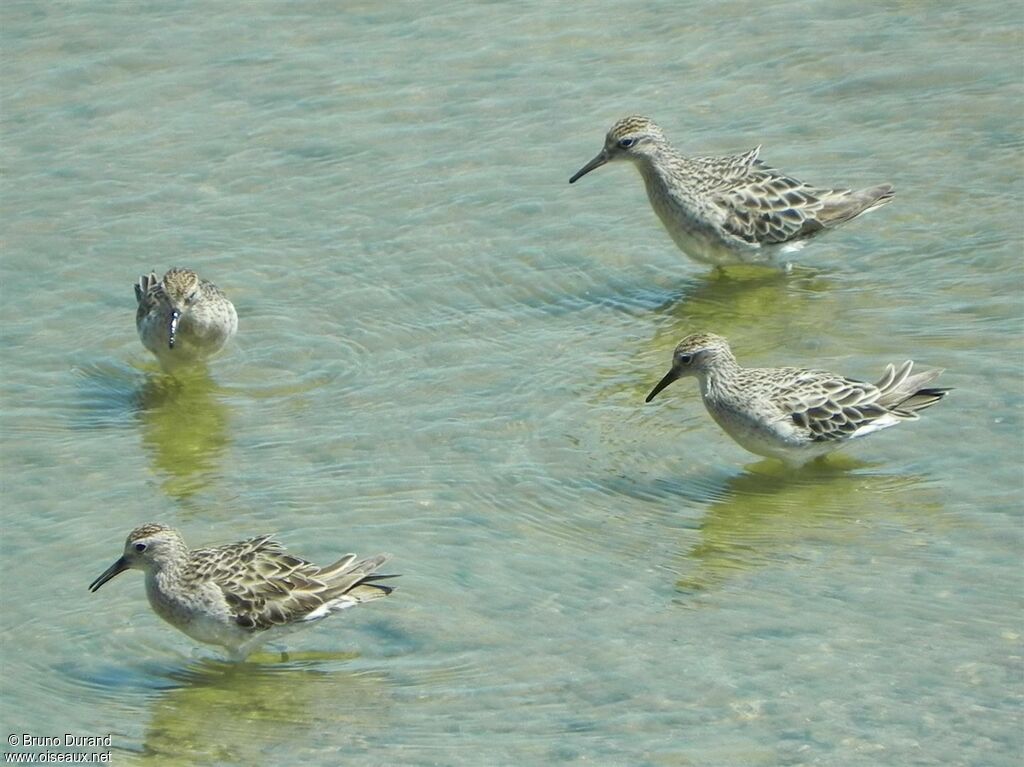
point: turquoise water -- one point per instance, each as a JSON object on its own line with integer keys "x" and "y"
{"x": 443, "y": 352}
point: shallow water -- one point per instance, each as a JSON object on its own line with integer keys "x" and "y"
{"x": 443, "y": 353}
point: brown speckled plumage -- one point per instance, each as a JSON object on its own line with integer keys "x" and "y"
{"x": 792, "y": 413}
{"x": 181, "y": 318}
{"x": 733, "y": 208}
{"x": 242, "y": 594}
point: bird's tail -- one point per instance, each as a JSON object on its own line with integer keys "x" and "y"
{"x": 143, "y": 286}
{"x": 356, "y": 581}
{"x": 842, "y": 205}
{"x": 877, "y": 196}
{"x": 906, "y": 392}
{"x": 368, "y": 589}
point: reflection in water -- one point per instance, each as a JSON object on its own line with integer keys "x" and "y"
{"x": 769, "y": 510}
{"x": 765, "y": 308}
{"x": 184, "y": 429}
{"x": 724, "y": 298}
{"x": 183, "y": 417}
{"x": 240, "y": 713}
{"x": 760, "y": 307}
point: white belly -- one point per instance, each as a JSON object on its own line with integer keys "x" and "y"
{"x": 770, "y": 437}
{"x": 695, "y": 233}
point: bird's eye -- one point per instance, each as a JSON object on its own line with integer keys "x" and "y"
{"x": 140, "y": 547}
{"x": 627, "y": 142}
{"x": 685, "y": 359}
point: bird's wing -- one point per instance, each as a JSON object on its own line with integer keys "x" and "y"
{"x": 264, "y": 586}
{"x": 764, "y": 206}
{"x": 827, "y": 406}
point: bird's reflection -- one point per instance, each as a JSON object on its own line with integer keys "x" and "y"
{"x": 185, "y": 429}
{"x": 765, "y": 308}
{"x": 745, "y": 299}
{"x": 213, "y": 712}
{"x": 769, "y": 511}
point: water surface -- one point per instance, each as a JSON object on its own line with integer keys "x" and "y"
{"x": 443, "y": 353}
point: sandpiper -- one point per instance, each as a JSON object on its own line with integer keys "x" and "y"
{"x": 791, "y": 413}
{"x": 181, "y": 318}
{"x": 244, "y": 594}
{"x": 729, "y": 209}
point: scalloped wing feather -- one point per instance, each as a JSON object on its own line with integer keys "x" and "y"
{"x": 264, "y": 586}
{"x": 830, "y": 407}
{"x": 770, "y": 208}
{"x": 761, "y": 205}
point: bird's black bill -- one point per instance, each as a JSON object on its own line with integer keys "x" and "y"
{"x": 118, "y": 567}
{"x": 670, "y": 376}
{"x": 597, "y": 162}
{"x": 175, "y": 319}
